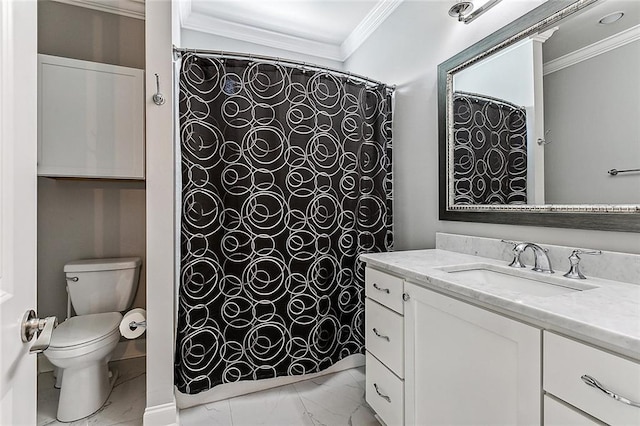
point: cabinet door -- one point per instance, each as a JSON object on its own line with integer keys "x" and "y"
{"x": 91, "y": 119}
{"x": 465, "y": 365}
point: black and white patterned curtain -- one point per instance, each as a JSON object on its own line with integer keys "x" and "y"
{"x": 286, "y": 179}
{"x": 490, "y": 150}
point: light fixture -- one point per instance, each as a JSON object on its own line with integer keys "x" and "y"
{"x": 463, "y": 10}
{"x": 460, "y": 8}
{"x": 611, "y": 18}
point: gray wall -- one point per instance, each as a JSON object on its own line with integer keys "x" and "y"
{"x": 406, "y": 50}
{"x": 87, "y": 218}
{"x": 595, "y": 130}
{"x": 90, "y": 35}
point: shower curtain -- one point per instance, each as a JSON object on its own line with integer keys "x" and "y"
{"x": 286, "y": 180}
{"x": 490, "y": 150}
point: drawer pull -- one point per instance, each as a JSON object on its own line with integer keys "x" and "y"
{"x": 382, "y": 336}
{"x": 375, "y": 285}
{"x": 595, "y": 384}
{"x": 383, "y": 396}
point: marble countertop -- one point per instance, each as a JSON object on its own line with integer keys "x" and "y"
{"x": 607, "y": 315}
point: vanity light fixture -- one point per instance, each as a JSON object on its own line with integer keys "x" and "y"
{"x": 611, "y": 18}
{"x": 463, "y": 9}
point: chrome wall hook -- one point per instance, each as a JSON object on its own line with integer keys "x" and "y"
{"x": 158, "y": 98}
{"x": 544, "y": 141}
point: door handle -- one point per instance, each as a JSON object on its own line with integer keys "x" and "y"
{"x": 34, "y": 326}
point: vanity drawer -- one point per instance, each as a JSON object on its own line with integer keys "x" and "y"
{"x": 566, "y": 361}
{"x": 385, "y": 335}
{"x": 384, "y": 289}
{"x": 558, "y": 414}
{"x": 384, "y": 392}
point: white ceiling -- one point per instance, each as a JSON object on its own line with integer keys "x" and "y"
{"x": 581, "y": 30}
{"x": 331, "y": 29}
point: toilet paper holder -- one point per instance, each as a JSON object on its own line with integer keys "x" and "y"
{"x": 135, "y": 324}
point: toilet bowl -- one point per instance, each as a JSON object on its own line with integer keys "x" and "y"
{"x": 80, "y": 348}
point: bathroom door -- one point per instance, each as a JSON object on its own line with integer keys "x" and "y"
{"x": 18, "y": 140}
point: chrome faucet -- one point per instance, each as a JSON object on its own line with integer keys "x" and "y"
{"x": 541, "y": 259}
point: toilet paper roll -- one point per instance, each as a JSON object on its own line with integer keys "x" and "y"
{"x": 129, "y": 331}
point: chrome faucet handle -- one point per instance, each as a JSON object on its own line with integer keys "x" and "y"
{"x": 518, "y": 248}
{"x": 574, "y": 261}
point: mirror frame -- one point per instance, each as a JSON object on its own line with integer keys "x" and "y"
{"x": 560, "y": 216}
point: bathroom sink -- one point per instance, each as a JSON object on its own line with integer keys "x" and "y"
{"x": 520, "y": 280}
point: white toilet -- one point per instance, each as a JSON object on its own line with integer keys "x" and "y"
{"x": 81, "y": 347}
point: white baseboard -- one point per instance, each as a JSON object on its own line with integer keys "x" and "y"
{"x": 125, "y": 350}
{"x": 161, "y": 415}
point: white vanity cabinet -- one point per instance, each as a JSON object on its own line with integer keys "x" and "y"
{"x": 384, "y": 342}
{"x": 466, "y": 365}
{"x": 90, "y": 119}
{"x": 566, "y": 361}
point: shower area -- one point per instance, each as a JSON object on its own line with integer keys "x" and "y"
{"x": 285, "y": 178}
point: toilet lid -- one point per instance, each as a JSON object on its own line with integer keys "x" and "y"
{"x": 84, "y": 329}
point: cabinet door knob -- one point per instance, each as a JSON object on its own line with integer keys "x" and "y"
{"x": 406, "y": 297}
{"x": 595, "y": 384}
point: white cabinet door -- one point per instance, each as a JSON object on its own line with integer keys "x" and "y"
{"x": 91, "y": 119}
{"x": 465, "y": 365}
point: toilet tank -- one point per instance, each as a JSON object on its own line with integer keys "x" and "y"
{"x": 102, "y": 285}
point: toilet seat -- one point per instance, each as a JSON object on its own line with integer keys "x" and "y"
{"x": 84, "y": 330}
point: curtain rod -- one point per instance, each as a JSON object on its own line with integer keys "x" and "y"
{"x": 489, "y": 98}
{"x": 179, "y": 51}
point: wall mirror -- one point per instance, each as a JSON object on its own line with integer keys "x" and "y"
{"x": 539, "y": 123}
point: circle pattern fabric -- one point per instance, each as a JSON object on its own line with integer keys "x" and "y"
{"x": 286, "y": 180}
{"x": 489, "y": 151}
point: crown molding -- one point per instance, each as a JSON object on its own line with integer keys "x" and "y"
{"x": 367, "y": 26}
{"x": 196, "y": 21}
{"x": 617, "y": 40}
{"x": 544, "y": 36}
{"x": 130, "y": 8}
{"x": 224, "y": 28}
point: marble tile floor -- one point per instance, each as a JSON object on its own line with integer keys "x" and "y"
{"x": 332, "y": 400}
{"x": 125, "y": 405}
